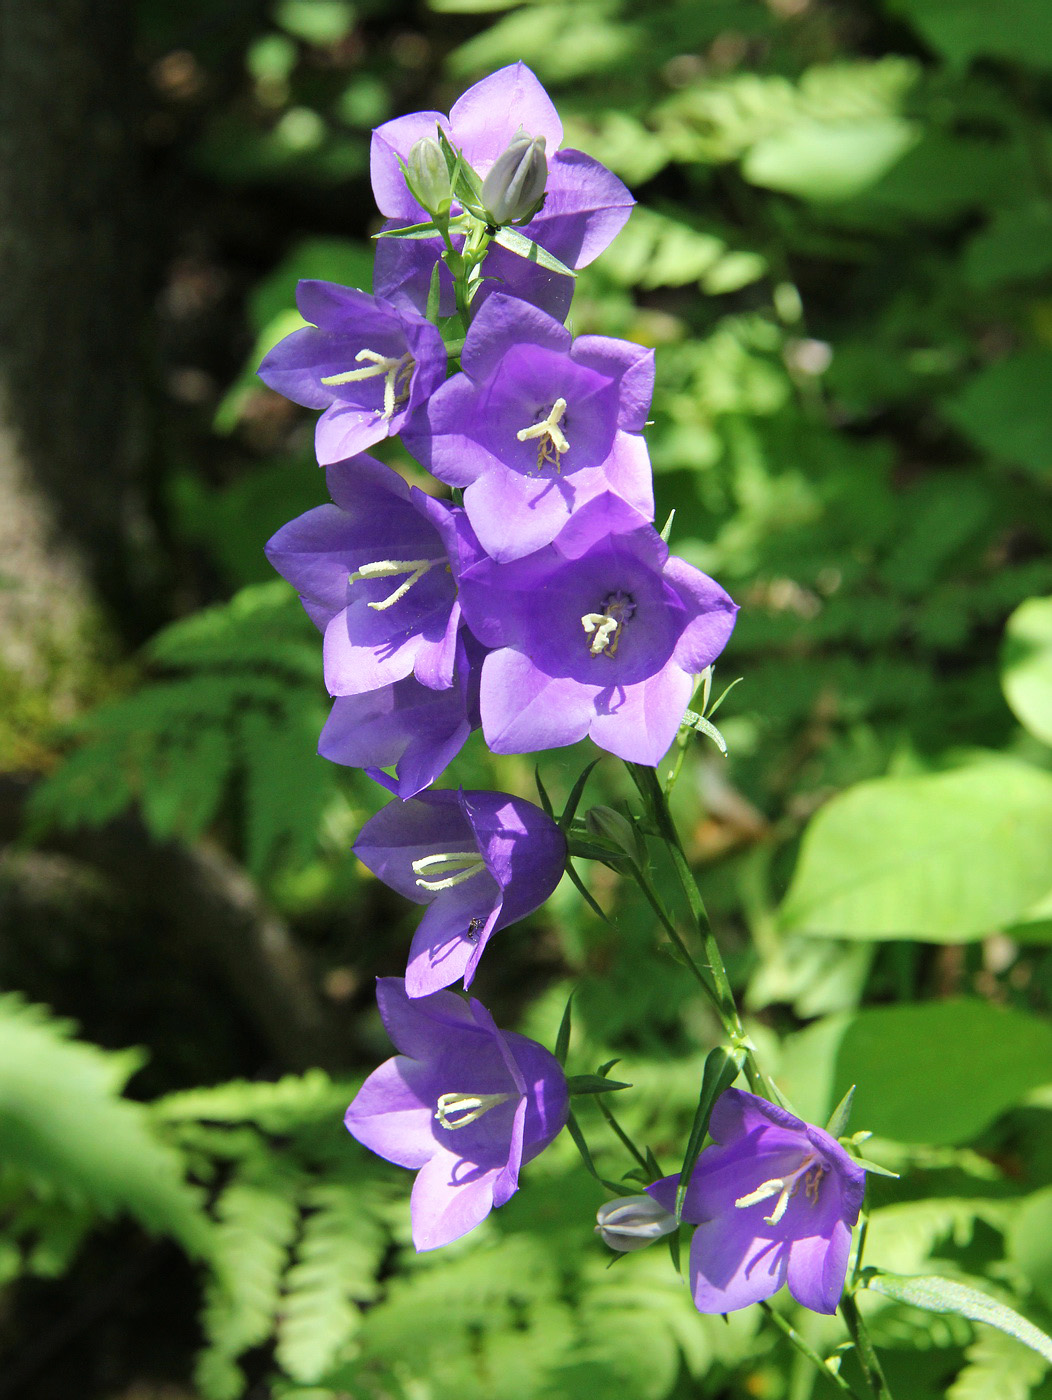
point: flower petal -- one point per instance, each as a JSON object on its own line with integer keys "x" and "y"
{"x": 486, "y": 118}
{"x": 731, "y": 1267}
{"x": 392, "y": 1114}
{"x": 450, "y": 1197}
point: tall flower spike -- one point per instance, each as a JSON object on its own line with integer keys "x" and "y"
{"x": 775, "y": 1200}
{"x": 482, "y": 860}
{"x": 537, "y": 425}
{"x": 464, "y": 1103}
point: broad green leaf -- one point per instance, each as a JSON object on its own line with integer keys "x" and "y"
{"x": 935, "y": 1072}
{"x": 1020, "y": 30}
{"x": 1006, "y": 409}
{"x": 945, "y": 1295}
{"x": 826, "y": 162}
{"x": 1015, "y": 245}
{"x": 1026, "y": 666}
{"x": 947, "y": 857}
{"x": 1030, "y": 1242}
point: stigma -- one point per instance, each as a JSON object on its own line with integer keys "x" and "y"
{"x": 458, "y": 1110}
{"x": 447, "y": 869}
{"x": 397, "y": 374}
{"x": 810, "y": 1171}
{"x": 393, "y": 568}
{"x": 604, "y": 628}
{"x": 552, "y": 442}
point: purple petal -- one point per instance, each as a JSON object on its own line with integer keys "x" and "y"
{"x": 403, "y": 267}
{"x": 389, "y": 142}
{"x": 450, "y": 1197}
{"x": 639, "y": 722}
{"x": 422, "y": 1029}
{"x": 730, "y": 1267}
{"x": 708, "y": 632}
{"x": 447, "y": 940}
{"x": 486, "y": 118}
{"x": 586, "y": 208}
{"x": 291, "y": 367}
{"x": 314, "y": 554}
{"x": 628, "y": 474}
{"x": 333, "y": 306}
{"x": 502, "y": 323}
{"x": 631, "y": 365}
{"x": 403, "y": 832}
{"x": 353, "y": 666}
{"x": 524, "y": 711}
{"x": 547, "y": 1097}
{"x": 818, "y": 1268}
{"x": 507, "y": 1182}
{"x": 609, "y": 515}
{"x": 344, "y": 430}
{"x": 393, "y": 1113}
{"x": 514, "y": 515}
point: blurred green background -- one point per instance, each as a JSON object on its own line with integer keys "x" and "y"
{"x": 842, "y": 255}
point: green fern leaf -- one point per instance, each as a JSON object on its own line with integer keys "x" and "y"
{"x": 283, "y": 1107}
{"x": 998, "y": 1368}
{"x": 288, "y": 786}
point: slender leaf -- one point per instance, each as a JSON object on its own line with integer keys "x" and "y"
{"x": 722, "y": 1068}
{"x": 946, "y": 1295}
{"x": 524, "y": 247}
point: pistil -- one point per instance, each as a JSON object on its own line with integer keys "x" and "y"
{"x": 396, "y": 372}
{"x": 605, "y": 627}
{"x": 468, "y": 1108}
{"x": 552, "y": 440}
{"x": 451, "y": 868}
{"x": 392, "y": 568}
{"x": 785, "y": 1187}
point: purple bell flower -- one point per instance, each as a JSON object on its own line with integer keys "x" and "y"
{"x": 601, "y": 632}
{"x": 481, "y": 860}
{"x": 536, "y": 425}
{"x": 464, "y": 1103}
{"x": 377, "y": 572}
{"x": 775, "y": 1200}
{"x": 367, "y": 362}
{"x": 406, "y": 725}
{"x": 585, "y": 207}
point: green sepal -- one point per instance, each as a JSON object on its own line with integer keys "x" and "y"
{"x": 576, "y": 793}
{"x": 428, "y": 230}
{"x": 434, "y": 296}
{"x": 542, "y": 793}
{"x": 838, "y": 1118}
{"x": 711, "y": 710}
{"x": 562, "y": 1039}
{"x": 722, "y": 1067}
{"x": 524, "y": 247}
{"x": 874, "y": 1167}
{"x": 593, "y": 1084}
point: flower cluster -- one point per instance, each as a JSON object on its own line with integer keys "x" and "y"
{"x": 535, "y": 600}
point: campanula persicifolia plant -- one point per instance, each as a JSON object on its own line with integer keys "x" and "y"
{"x": 539, "y": 602}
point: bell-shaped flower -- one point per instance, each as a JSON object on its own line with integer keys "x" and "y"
{"x": 601, "y": 632}
{"x": 464, "y": 1104}
{"x": 536, "y": 425}
{"x": 481, "y": 860}
{"x": 376, "y": 571}
{"x": 585, "y": 205}
{"x": 367, "y": 363}
{"x": 775, "y": 1200}
{"x": 408, "y": 726}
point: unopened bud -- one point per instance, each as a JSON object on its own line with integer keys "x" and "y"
{"x": 633, "y": 1222}
{"x": 611, "y": 826}
{"x": 428, "y": 176}
{"x": 514, "y": 188}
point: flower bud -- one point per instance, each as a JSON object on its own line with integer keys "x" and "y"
{"x": 428, "y": 175}
{"x": 633, "y": 1222}
{"x": 514, "y": 188}
{"x": 604, "y": 822}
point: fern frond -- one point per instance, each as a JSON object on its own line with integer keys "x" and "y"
{"x": 281, "y": 1107}
{"x": 997, "y": 1368}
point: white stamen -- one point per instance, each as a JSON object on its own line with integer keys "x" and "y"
{"x": 452, "y": 867}
{"x": 397, "y": 374}
{"x": 391, "y": 568}
{"x": 784, "y": 1187}
{"x": 552, "y": 438}
{"x": 605, "y": 627}
{"x": 470, "y": 1106}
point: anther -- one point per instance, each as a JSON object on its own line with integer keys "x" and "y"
{"x": 391, "y": 568}
{"x": 553, "y": 441}
{"x": 604, "y": 627}
{"x": 397, "y": 374}
{"x": 468, "y": 1108}
{"x": 451, "y": 867}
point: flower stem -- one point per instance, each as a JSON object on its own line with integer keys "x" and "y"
{"x": 805, "y": 1349}
{"x": 620, "y": 1132}
{"x": 864, "y": 1350}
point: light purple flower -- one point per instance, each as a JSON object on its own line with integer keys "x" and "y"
{"x": 585, "y": 208}
{"x": 536, "y": 425}
{"x": 367, "y": 362}
{"x": 464, "y": 1103}
{"x": 774, "y": 1200}
{"x": 406, "y": 725}
{"x": 601, "y": 632}
{"x": 376, "y": 571}
{"x": 482, "y": 860}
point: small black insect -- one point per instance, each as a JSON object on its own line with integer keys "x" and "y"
{"x": 473, "y": 929}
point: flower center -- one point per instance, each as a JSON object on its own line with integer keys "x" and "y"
{"x": 551, "y": 440}
{"x": 397, "y": 375}
{"x": 811, "y": 1170}
{"x": 392, "y": 568}
{"x": 450, "y": 867}
{"x": 458, "y": 1110}
{"x": 604, "y": 627}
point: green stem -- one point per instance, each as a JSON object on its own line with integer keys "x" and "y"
{"x": 867, "y": 1356}
{"x": 805, "y": 1349}
{"x": 617, "y": 1128}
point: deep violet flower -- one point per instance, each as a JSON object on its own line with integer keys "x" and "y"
{"x": 406, "y": 725}
{"x": 536, "y": 425}
{"x": 376, "y": 571}
{"x": 774, "y": 1200}
{"x": 585, "y": 207}
{"x": 368, "y": 363}
{"x": 601, "y": 632}
{"x": 464, "y": 1103}
{"x": 481, "y": 860}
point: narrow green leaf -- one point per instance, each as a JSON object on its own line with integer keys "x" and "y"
{"x": 695, "y": 721}
{"x": 562, "y": 1040}
{"x": 722, "y": 1067}
{"x": 524, "y": 247}
{"x": 945, "y": 1295}
{"x": 427, "y": 230}
{"x": 434, "y": 293}
{"x": 584, "y": 892}
{"x": 574, "y": 1129}
{"x": 542, "y": 793}
{"x": 593, "y": 1084}
{"x": 838, "y": 1118}
{"x": 576, "y": 793}
{"x": 711, "y": 710}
